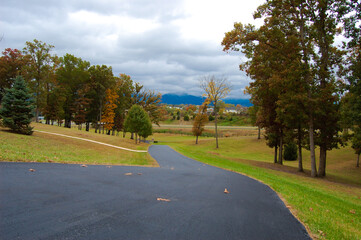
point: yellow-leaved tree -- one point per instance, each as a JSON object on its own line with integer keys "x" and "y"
{"x": 109, "y": 107}
{"x": 215, "y": 89}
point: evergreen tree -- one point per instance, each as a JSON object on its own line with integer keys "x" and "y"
{"x": 17, "y": 107}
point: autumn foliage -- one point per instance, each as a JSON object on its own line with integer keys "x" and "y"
{"x": 109, "y": 107}
{"x": 200, "y": 120}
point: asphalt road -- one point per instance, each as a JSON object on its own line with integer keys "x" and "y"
{"x": 62, "y": 201}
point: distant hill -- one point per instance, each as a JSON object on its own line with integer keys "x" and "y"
{"x": 174, "y": 99}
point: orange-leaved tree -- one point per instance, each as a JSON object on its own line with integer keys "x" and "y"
{"x": 109, "y": 107}
{"x": 200, "y": 120}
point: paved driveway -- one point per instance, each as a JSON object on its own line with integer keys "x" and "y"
{"x": 63, "y": 201}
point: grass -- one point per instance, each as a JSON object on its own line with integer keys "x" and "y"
{"x": 41, "y": 147}
{"x": 330, "y": 208}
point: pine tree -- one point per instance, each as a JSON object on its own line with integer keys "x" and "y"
{"x": 17, "y": 107}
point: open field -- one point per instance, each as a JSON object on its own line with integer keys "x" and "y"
{"x": 42, "y": 147}
{"x": 181, "y": 127}
{"x": 329, "y": 207}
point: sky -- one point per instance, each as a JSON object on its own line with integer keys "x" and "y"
{"x": 166, "y": 45}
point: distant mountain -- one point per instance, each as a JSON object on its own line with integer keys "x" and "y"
{"x": 174, "y": 99}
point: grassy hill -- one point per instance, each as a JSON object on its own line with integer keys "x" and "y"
{"x": 42, "y": 147}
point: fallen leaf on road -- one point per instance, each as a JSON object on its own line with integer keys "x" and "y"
{"x": 353, "y": 211}
{"x": 109, "y": 166}
{"x": 50, "y": 161}
{"x": 128, "y": 174}
{"x": 226, "y": 191}
{"x": 172, "y": 168}
{"x": 139, "y": 173}
{"x": 84, "y": 165}
{"x": 163, "y": 199}
{"x": 32, "y": 170}
{"x": 321, "y": 233}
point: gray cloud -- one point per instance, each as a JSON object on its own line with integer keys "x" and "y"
{"x": 153, "y": 51}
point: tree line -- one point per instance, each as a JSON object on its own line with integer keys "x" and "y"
{"x": 68, "y": 89}
{"x": 306, "y": 86}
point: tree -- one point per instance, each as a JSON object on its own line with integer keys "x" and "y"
{"x": 138, "y": 122}
{"x": 352, "y": 105}
{"x": 17, "y": 108}
{"x": 109, "y": 107}
{"x": 54, "y": 110}
{"x": 356, "y": 144}
{"x": 252, "y": 112}
{"x": 200, "y": 120}
{"x": 294, "y": 51}
{"x": 101, "y": 79}
{"x": 37, "y": 71}
{"x": 80, "y": 106}
{"x": 11, "y": 65}
{"x": 124, "y": 88}
{"x": 72, "y": 76}
{"x": 215, "y": 89}
{"x": 147, "y": 128}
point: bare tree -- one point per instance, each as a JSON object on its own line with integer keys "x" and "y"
{"x": 215, "y": 89}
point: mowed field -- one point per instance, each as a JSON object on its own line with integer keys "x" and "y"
{"x": 43, "y": 147}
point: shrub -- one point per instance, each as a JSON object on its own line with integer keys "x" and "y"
{"x": 186, "y": 118}
{"x": 290, "y": 152}
{"x": 210, "y": 118}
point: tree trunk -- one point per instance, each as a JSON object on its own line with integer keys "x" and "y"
{"x": 67, "y": 123}
{"x": 87, "y": 126}
{"x": 300, "y": 166}
{"x": 322, "y": 163}
{"x": 275, "y": 158}
{"x": 196, "y": 139}
{"x": 259, "y": 133}
{"x": 280, "y": 157}
{"x": 215, "y": 122}
{"x": 312, "y": 149}
{"x": 358, "y": 160}
{"x": 124, "y": 134}
{"x": 132, "y": 136}
{"x": 136, "y": 136}
{"x": 37, "y": 112}
{"x": 309, "y": 82}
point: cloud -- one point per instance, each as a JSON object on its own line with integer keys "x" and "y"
{"x": 165, "y": 45}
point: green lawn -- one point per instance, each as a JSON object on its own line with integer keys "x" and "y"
{"x": 330, "y": 208}
{"x": 42, "y": 147}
